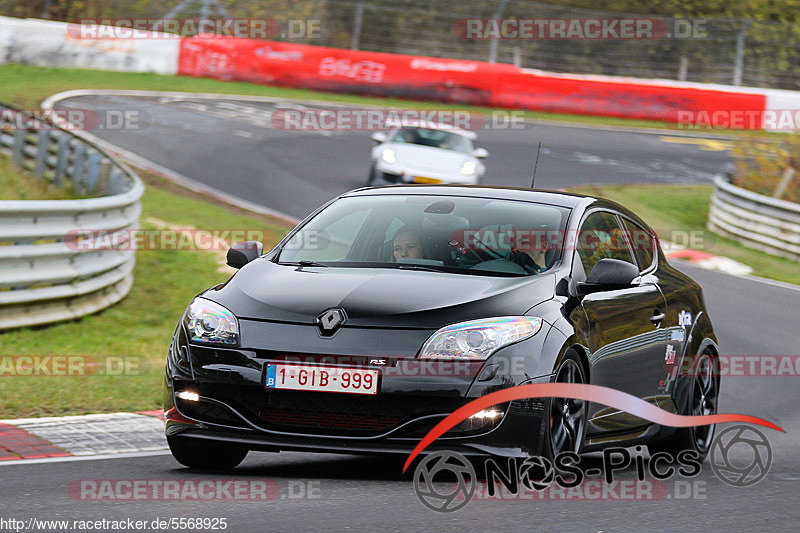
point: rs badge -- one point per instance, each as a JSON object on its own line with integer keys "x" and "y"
{"x": 685, "y": 319}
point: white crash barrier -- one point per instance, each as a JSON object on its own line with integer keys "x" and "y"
{"x": 755, "y": 220}
{"x": 47, "y": 270}
{"x": 58, "y": 44}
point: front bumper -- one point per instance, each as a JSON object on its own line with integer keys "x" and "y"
{"x": 394, "y": 174}
{"x": 234, "y": 406}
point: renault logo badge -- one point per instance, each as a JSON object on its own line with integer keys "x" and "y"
{"x": 330, "y": 321}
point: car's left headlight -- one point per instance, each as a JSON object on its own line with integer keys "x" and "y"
{"x": 478, "y": 339}
{"x": 208, "y": 322}
{"x": 389, "y": 155}
{"x": 468, "y": 168}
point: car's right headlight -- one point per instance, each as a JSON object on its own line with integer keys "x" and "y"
{"x": 478, "y": 339}
{"x": 209, "y": 323}
{"x": 389, "y": 156}
{"x": 468, "y": 168}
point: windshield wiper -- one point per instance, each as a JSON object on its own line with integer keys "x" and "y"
{"x": 412, "y": 266}
{"x": 308, "y": 263}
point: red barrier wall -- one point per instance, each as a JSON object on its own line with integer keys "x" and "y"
{"x": 445, "y": 80}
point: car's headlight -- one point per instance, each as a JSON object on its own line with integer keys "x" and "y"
{"x": 468, "y": 168}
{"x": 389, "y": 156}
{"x": 209, "y": 322}
{"x": 478, "y": 339}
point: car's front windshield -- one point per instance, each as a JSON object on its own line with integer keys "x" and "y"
{"x": 436, "y": 138}
{"x": 464, "y": 235}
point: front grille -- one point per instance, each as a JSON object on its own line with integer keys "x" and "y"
{"x": 308, "y": 419}
{"x": 392, "y": 178}
{"x": 326, "y": 413}
{"x": 355, "y": 413}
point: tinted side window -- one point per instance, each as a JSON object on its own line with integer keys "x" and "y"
{"x": 601, "y": 237}
{"x": 642, "y": 243}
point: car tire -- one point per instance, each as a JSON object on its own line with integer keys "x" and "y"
{"x": 206, "y": 456}
{"x": 565, "y": 425}
{"x": 371, "y": 178}
{"x": 703, "y": 400}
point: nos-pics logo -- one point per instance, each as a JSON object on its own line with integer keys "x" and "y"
{"x": 446, "y": 481}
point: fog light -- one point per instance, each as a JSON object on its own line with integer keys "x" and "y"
{"x": 481, "y": 421}
{"x": 189, "y": 396}
{"x": 487, "y": 414}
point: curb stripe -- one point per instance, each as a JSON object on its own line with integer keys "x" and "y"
{"x": 16, "y": 443}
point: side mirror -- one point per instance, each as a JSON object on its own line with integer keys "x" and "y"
{"x": 608, "y": 275}
{"x": 379, "y": 137}
{"x": 480, "y": 153}
{"x": 242, "y": 253}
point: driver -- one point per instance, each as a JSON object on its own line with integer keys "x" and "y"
{"x": 406, "y": 135}
{"x": 449, "y": 143}
{"x": 406, "y": 244}
{"x": 533, "y": 258}
{"x": 532, "y": 261}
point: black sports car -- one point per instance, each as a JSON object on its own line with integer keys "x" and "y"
{"x": 388, "y": 308}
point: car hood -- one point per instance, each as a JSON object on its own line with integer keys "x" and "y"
{"x": 428, "y": 157}
{"x": 375, "y": 297}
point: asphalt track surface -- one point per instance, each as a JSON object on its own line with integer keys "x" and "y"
{"x": 293, "y": 173}
{"x": 233, "y": 146}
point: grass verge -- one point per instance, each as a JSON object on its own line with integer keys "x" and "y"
{"x": 18, "y": 184}
{"x": 138, "y": 328}
{"x": 684, "y": 209}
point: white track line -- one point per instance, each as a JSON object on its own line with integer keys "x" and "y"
{"x": 84, "y": 458}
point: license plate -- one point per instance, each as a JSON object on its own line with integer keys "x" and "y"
{"x": 423, "y": 179}
{"x": 322, "y": 378}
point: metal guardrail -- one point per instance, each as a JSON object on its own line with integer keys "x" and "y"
{"x": 45, "y": 274}
{"x": 755, "y": 220}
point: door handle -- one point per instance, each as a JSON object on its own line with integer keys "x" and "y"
{"x": 657, "y": 319}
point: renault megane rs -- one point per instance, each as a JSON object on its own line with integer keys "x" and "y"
{"x": 388, "y": 308}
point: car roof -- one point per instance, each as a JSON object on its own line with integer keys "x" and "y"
{"x": 478, "y": 191}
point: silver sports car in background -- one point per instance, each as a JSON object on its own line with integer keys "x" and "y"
{"x": 430, "y": 154}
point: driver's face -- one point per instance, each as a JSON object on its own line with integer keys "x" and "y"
{"x": 407, "y": 246}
